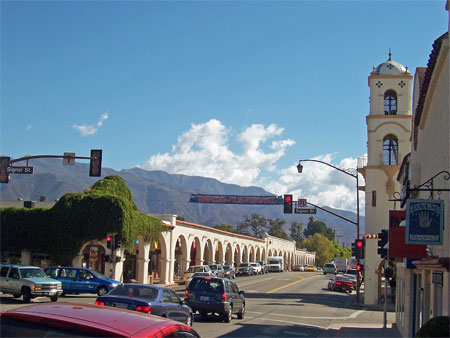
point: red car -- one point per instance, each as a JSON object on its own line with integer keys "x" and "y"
{"x": 86, "y": 320}
{"x": 340, "y": 283}
{"x": 298, "y": 268}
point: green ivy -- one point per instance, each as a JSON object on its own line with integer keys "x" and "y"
{"x": 77, "y": 218}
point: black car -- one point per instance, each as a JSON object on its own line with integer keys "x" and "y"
{"x": 229, "y": 271}
{"x": 264, "y": 267}
{"x": 208, "y": 295}
{"x": 218, "y": 270}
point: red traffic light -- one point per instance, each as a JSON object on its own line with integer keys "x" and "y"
{"x": 108, "y": 239}
{"x": 288, "y": 198}
{"x": 358, "y": 267}
{"x": 359, "y": 244}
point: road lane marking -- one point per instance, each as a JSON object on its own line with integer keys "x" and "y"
{"x": 288, "y": 322}
{"x": 353, "y": 315}
{"x": 290, "y": 284}
{"x": 257, "y": 281}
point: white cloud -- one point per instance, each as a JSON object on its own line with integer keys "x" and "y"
{"x": 28, "y": 127}
{"x": 87, "y": 130}
{"x": 204, "y": 150}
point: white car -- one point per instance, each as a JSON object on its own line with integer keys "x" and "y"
{"x": 257, "y": 269}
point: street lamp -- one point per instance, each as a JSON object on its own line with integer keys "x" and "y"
{"x": 351, "y": 172}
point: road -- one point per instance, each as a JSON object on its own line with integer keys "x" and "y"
{"x": 290, "y": 304}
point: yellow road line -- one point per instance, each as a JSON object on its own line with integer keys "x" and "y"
{"x": 290, "y": 284}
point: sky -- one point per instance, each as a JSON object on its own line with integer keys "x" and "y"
{"x": 239, "y": 91}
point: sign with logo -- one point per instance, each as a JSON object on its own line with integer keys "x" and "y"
{"x": 304, "y": 211}
{"x": 395, "y": 217}
{"x": 302, "y": 202}
{"x": 424, "y": 221}
{"x": 398, "y": 247}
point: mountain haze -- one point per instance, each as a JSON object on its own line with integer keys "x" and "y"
{"x": 158, "y": 192}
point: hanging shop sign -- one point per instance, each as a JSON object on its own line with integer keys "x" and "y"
{"x": 424, "y": 221}
{"x": 398, "y": 248}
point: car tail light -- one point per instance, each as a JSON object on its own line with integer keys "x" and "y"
{"x": 224, "y": 297}
{"x": 147, "y": 309}
{"x": 338, "y": 283}
{"x": 208, "y": 278}
{"x": 99, "y": 303}
{"x": 186, "y": 293}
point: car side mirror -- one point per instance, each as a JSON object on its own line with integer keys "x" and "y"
{"x": 242, "y": 293}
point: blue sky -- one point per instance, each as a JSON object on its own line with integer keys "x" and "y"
{"x": 235, "y": 90}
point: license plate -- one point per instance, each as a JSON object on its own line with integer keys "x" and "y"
{"x": 204, "y": 298}
{"x": 121, "y": 306}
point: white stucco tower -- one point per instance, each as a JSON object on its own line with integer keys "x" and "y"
{"x": 388, "y": 142}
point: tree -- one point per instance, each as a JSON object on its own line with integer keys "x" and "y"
{"x": 253, "y": 225}
{"x": 322, "y": 246}
{"x": 296, "y": 232}
{"x": 225, "y": 227}
{"x": 318, "y": 227}
{"x": 276, "y": 228}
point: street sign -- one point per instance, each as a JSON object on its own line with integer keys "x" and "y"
{"x": 69, "y": 158}
{"x": 302, "y": 202}
{"x": 19, "y": 170}
{"x": 305, "y": 211}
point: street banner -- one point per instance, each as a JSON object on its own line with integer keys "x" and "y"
{"x": 424, "y": 221}
{"x": 236, "y": 199}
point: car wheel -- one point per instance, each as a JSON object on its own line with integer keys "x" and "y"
{"x": 241, "y": 313}
{"x": 349, "y": 291}
{"x": 17, "y": 295}
{"x": 54, "y": 298}
{"x": 189, "y": 320}
{"x": 227, "y": 315}
{"x": 203, "y": 314}
{"x": 101, "y": 291}
{"x": 26, "y": 295}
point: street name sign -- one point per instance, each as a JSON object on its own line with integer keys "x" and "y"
{"x": 19, "y": 170}
{"x": 305, "y": 210}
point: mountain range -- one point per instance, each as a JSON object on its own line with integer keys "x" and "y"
{"x": 158, "y": 192}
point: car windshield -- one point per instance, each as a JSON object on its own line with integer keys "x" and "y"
{"x": 202, "y": 284}
{"x": 213, "y": 267}
{"x": 254, "y": 264}
{"x": 351, "y": 272}
{"x": 244, "y": 265}
{"x": 274, "y": 262}
{"x": 352, "y": 277}
{"x": 146, "y": 292}
{"x": 195, "y": 269}
{"x": 227, "y": 267}
{"x": 98, "y": 275}
{"x": 342, "y": 278}
{"x": 201, "y": 274}
{"x": 32, "y": 273}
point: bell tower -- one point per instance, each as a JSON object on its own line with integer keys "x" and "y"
{"x": 388, "y": 142}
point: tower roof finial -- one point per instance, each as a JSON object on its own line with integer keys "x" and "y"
{"x": 390, "y": 54}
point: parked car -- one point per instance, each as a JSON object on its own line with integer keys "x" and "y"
{"x": 215, "y": 295}
{"x": 29, "y": 282}
{"x": 199, "y": 274}
{"x": 340, "y": 283}
{"x": 257, "y": 268}
{"x": 330, "y": 268}
{"x": 356, "y": 273}
{"x": 311, "y": 268}
{"x": 218, "y": 270}
{"x": 81, "y": 280}
{"x": 87, "y": 320}
{"x": 245, "y": 269}
{"x": 298, "y": 268}
{"x": 264, "y": 266}
{"x": 352, "y": 278}
{"x": 150, "y": 299}
{"x": 229, "y": 271}
{"x": 195, "y": 268}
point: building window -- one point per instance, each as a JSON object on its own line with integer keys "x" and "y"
{"x": 390, "y": 103}
{"x": 390, "y": 150}
{"x": 374, "y": 198}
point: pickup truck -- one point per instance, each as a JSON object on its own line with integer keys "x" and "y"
{"x": 29, "y": 282}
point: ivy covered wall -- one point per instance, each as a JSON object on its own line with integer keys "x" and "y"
{"x": 61, "y": 231}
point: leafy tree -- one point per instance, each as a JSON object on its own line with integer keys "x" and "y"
{"x": 253, "y": 225}
{"x": 296, "y": 232}
{"x": 276, "y": 228}
{"x": 340, "y": 251}
{"x": 322, "y": 246}
{"x": 225, "y": 227}
{"x": 318, "y": 227}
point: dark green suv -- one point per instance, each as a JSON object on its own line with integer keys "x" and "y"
{"x": 210, "y": 295}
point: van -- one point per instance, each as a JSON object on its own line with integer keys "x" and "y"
{"x": 330, "y": 268}
{"x": 81, "y": 280}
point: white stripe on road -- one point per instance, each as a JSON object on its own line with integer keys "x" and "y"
{"x": 354, "y": 314}
{"x": 287, "y": 322}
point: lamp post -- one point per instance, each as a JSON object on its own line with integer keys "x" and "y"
{"x": 353, "y": 173}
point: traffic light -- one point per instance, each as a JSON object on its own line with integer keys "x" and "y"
{"x": 358, "y": 267}
{"x": 288, "y": 204}
{"x": 4, "y": 163}
{"x": 95, "y": 166}
{"x": 383, "y": 237}
{"x": 108, "y": 242}
{"x": 118, "y": 241}
{"x": 354, "y": 249}
{"x": 359, "y": 248}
